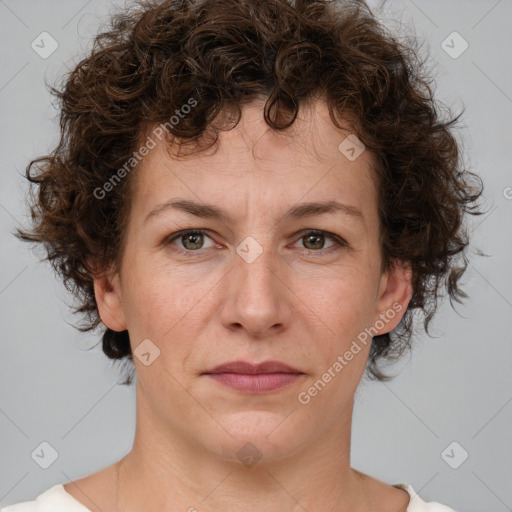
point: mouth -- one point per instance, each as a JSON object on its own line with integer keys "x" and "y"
{"x": 255, "y": 378}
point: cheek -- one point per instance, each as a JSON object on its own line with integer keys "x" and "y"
{"x": 165, "y": 306}
{"x": 341, "y": 307}
{"x": 341, "y": 298}
{"x": 146, "y": 303}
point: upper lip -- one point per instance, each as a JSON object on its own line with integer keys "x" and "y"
{"x": 250, "y": 368}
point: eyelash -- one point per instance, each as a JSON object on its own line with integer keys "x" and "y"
{"x": 339, "y": 242}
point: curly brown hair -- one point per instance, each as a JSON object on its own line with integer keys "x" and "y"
{"x": 157, "y": 55}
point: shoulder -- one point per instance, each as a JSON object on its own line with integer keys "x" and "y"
{"x": 55, "y": 499}
{"x": 417, "y": 504}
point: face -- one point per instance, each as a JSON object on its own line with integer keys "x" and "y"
{"x": 265, "y": 276}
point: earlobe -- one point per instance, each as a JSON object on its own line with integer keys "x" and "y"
{"x": 395, "y": 295}
{"x": 107, "y": 291}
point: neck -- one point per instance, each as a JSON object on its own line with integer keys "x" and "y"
{"x": 166, "y": 470}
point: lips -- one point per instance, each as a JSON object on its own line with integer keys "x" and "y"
{"x": 253, "y": 369}
{"x": 255, "y": 378}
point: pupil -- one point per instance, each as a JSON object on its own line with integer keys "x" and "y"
{"x": 195, "y": 238}
{"x": 318, "y": 244}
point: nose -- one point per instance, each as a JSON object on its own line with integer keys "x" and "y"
{"x": 257, "y": 296}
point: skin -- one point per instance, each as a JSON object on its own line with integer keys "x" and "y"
{"x": 290, "y": 304}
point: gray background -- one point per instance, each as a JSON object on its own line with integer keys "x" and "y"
{"x": 455, "y": 387}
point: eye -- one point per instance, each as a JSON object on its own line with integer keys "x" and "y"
{"x": 314, "y": 240}
{"x": 192, "y": 240}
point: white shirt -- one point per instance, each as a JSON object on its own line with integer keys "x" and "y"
{"x": 57, "y": 499}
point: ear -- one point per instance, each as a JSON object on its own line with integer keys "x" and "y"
{"x": 107, "y": 290}
{"x": 395, "y": 293}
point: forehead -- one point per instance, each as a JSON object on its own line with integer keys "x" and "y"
{"x": 254, "y": 162}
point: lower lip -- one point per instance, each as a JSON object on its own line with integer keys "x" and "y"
{"x": 255, "y": 383}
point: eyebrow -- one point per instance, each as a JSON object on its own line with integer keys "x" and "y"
{"x": 299, "y": 211}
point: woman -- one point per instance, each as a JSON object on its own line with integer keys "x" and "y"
{"x": 253, "y": 199}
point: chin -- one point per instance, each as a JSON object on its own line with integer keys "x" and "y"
{"x": 257, "y": 437}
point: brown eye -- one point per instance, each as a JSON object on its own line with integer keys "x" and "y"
{"x": 315, "y": 241}
{"x": 190, "y": 241}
